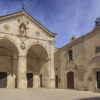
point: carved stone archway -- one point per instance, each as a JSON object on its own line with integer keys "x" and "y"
{"x": 8, "y": 61}
{"x": 37, "y": 64}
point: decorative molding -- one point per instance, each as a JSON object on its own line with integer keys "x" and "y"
{"x": 51, "y": 42}
{"x": 37, "y": 33}
{"x": 23, "y": 46}
{"x": 6, "y": 27}
{"x": 26, "y": 17}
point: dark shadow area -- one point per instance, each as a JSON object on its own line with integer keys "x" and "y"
{"x": 92, "y": 98}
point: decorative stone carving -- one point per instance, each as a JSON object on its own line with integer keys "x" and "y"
{"x": 23, "y": 46}
{"x": 37, "y": 33}
{"x": 6, "y": 27}
{"x": 22, "y": 29}
{"x": 51, "y": 42}
{"x": 23, "y": 19}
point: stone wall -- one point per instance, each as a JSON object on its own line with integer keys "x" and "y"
{"x": 85, "y": 61}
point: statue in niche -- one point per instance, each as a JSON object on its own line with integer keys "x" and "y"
{"x": 22, "y": 29}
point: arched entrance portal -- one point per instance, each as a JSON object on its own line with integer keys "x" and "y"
{"x": 70, "y": 80}
{"x": 37, "y": 66}
{"x": 8, "y": 62}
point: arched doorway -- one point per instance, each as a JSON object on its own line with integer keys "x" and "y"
{"x": 70, "y": 80}
{"x": 37, "y": 65}
{"x": 8, "y": 63}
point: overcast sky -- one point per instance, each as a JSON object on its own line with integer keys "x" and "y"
{"x": 64, "y": 17}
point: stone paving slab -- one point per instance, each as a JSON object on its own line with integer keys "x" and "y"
{"x": 47, "y": 94}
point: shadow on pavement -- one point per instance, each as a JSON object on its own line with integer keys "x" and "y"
{"x": 92, "y": 98}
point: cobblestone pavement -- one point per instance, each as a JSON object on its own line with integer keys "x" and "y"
{"x": 47, "y": 94}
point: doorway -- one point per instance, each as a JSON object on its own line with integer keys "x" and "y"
{"x": 3, "y": 79}
{"x": 29, "y": 80}
{"x": 98, "y": 80}
{"x": 41, "y": 80}
{"x": 57, "y": 81}
{"x": 70, "y": 80}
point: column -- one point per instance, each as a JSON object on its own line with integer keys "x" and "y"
{"x": 14, "y": 69}
{"x": 52, "y": 74}
{"x": 21, "y": 72}
{"x": 35, "y": 81}
{"x": 51, "y": 69}
{"x": 9, "y": 80}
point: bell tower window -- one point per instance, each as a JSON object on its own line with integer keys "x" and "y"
{"x": 97, "y": 49}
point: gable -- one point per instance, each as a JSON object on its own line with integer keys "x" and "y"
{"x": 11, "y": 23}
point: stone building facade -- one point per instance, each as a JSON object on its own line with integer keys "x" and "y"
{"x": 26, "y": 52}
{"x": 77, "y": 65}
{"x": 28, "y": 58}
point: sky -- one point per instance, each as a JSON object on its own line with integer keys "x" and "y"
{"x": 66, "y": 18}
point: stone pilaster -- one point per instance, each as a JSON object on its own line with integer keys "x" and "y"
{"x": 21, "y": 72}
{"x": 9, "y": 80}
{"x": 14, "y": 69}
{"x": 35, "y": 81}
{"x": 52, "y": 73}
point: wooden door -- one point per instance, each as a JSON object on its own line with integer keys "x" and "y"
{"x": 56, "y": 81}
{"x": 70, "y": 80}
{"x": 29, "y": 80}
{"x": 3, "y": 79}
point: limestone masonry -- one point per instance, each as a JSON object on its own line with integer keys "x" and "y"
{"x": 77, "y": 65}
{"x": 28, "y": 58}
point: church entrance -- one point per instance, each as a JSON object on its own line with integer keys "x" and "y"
{"x": 3, "y": 79}
{"x": 98, "y": 80}
{"x": 37, "y": 63}
{"x": 70, "y": 80}
{"x": 29, "y": 80}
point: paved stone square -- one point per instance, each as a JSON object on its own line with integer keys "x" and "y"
{"x": 47, "y": 94}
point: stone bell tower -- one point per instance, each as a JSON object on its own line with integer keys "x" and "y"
{"x": 97, "y": 22}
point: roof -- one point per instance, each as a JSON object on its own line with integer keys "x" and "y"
{"x": 78, "y": 40}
